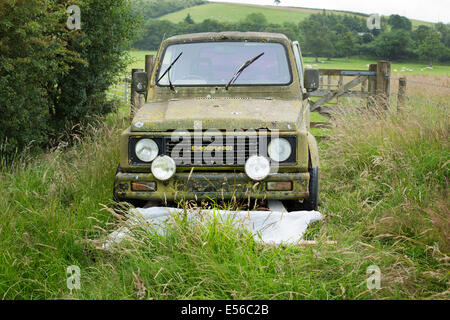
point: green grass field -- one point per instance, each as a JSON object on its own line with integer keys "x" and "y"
{"x": 397, "y": 68}
{"x": 138, "y": 59}
{"x": 232, "y": 12}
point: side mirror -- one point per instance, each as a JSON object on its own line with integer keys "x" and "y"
{"x": 312, "y": 79}
{"x": 139, "y": 82}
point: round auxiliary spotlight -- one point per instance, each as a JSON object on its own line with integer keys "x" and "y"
{"x": 163, "y": 168}
{"x": 257, "y": 168}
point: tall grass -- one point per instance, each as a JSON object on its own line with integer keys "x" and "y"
{"x": 47, "y": 205}
{"x": 386, "y": 183}
{"x": 384, "y": 189}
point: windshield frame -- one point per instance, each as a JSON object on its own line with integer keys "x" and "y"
{"x": 288, "y": 60}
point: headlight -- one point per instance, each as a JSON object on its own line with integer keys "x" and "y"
{"x": 279, "y": 150}
{"x": 163, "y": 168}
{"x": 146, "y": 150}
{"x": 257, "y": 167}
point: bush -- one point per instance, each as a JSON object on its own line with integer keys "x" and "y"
{"x": 107, "y": 30}
{"x": 28, "y": 67}
{"x": 54, "y": 78}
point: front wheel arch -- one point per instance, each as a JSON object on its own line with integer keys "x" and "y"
{"x": 313, "y": 152}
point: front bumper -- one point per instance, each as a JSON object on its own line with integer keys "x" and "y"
{"x": 206, "y": 185}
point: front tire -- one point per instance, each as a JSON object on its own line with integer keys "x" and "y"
{"x": 312, "y": 203}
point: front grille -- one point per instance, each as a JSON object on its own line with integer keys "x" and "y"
{"x": 211, "y": 152}
{"x": 231, "y": 151}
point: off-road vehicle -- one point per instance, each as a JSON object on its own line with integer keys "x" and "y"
{"x": 227, "y": 115}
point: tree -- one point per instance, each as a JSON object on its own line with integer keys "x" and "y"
{"x": 431, "y": 47}
{"x": 398, "y": 22}
{"x": 421, "y": 33}
{"x": 392, "y": 45}
{"x": 30, "y": 61}
{"x": 277, "y": 2}
{"x": 188, "y": 19}
{"x": 317, "y": 39}
{"x": 444, "y": 30}
{"x": 154, "y": 32}
{"x": 347, "y": 45}
{"x": 108, "y": 29}
{"x": 54, "y": 78}
{"x": 253, "y": 22}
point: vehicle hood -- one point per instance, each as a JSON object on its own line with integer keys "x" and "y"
{"x": 236, "y": 113}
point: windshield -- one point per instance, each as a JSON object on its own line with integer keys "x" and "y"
{"x": 215, "y": 63}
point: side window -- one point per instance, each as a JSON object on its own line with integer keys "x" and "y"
{"x": 298, "y": 59}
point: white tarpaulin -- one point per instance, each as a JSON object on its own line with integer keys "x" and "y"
{"x": 274, "y": 227}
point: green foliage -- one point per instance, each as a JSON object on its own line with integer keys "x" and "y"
{"x": 55, "y": 78}
{"x": 317, "y": 39}
{"x": 108, "y": 29}
{"x": 346, "y": 44}
{"x": 398, "y": 22}
{"x": 431, "y": 47}
{"x": 254, "y": 22}
{"x": 30, "y": 61}
{"x": 188, "y": 19}
{"x": 444, "y": 30}
{"x": 420, "y": 33}
{"x": 396, "y": 44}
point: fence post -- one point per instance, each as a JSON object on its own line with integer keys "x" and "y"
{"x": 401, "y": 101}
{"x": 136, "y": 98}
{"x": 126, "y": 88}
{"x": 384, "y": 83}
{"x": 364, "y": 86}
{"x": 372, "y": 86}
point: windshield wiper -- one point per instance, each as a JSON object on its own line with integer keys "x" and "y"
{"x": 244, "y": 66}
{"x": 168, "y": 75}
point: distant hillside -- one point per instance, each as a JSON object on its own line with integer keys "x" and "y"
{"x": 158, "y": 8}
{"x": 232, "y": 12}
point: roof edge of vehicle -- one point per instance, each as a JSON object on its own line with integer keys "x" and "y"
{"x": 229, "y": 35}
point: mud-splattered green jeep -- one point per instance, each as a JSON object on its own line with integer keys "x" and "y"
{"x": 226, "y": 117}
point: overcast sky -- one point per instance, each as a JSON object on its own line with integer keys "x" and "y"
{"x": 427, "y": 10}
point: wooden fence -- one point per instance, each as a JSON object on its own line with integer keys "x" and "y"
{"x": 372, "y": 85}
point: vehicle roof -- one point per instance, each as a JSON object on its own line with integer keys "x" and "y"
{"x": 229, "y": 35}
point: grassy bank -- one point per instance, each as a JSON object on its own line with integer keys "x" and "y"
{"x": 384, "y": 195}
